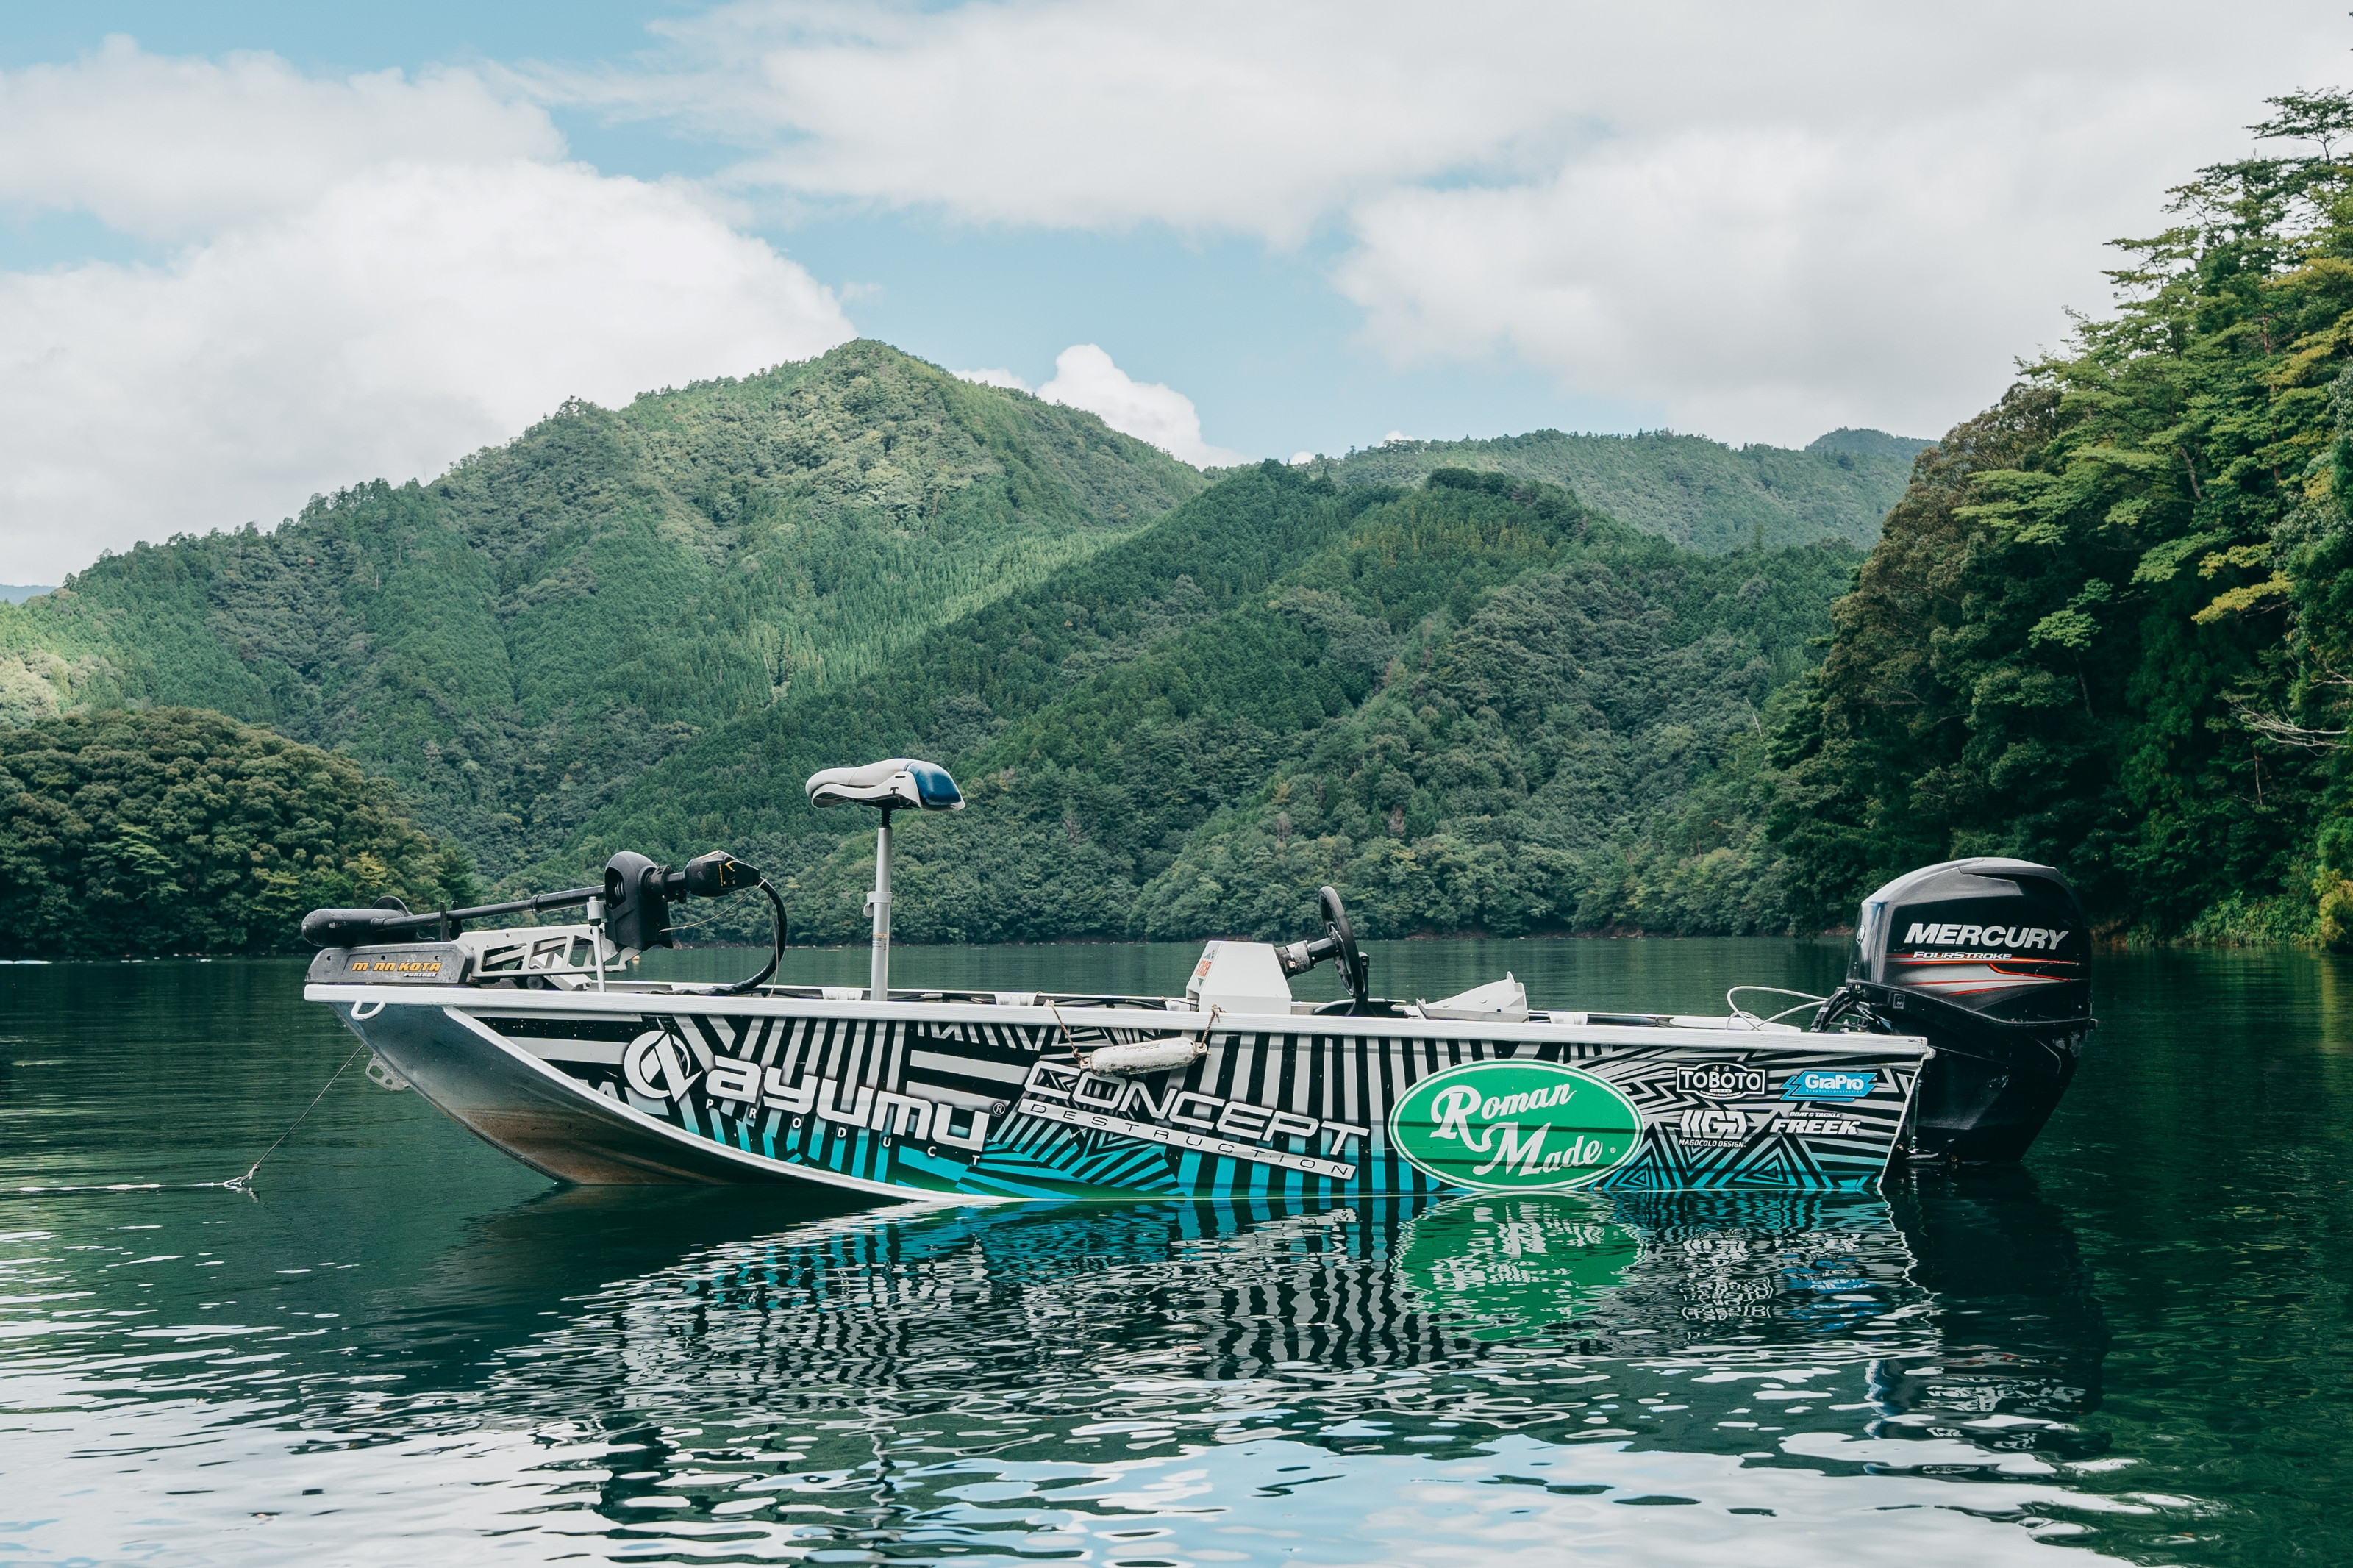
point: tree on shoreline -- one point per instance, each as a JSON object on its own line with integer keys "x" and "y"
{"x": 180, "y": 830}
{"x": 2108, "y": 627}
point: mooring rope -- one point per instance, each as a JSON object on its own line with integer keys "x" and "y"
{"x": 121, "y": 1187}
{"x": 244, "y": 1182}
{"x": 234, "y": 1184}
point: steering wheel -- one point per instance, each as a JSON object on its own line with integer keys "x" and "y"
{"x": 1354, "y": 967}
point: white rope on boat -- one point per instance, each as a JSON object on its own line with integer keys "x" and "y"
{"x": 1806, "y": 999}
{"x": 234, "y": 1184}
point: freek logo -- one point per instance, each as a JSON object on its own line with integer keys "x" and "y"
{"x": 1515, "y": 1126}
{"x": 1820, "y": 1083}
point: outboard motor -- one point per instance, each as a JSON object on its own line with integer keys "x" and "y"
{"x": 1989, "y": 960}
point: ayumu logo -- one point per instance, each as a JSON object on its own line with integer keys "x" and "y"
{"x": 657, "y": 1066}
{"x": 1515, "y": 1126}
{"x": 1820, "y": 1083}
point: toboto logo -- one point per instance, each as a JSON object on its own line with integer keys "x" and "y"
{"x": 1515, "y": 1127}
{"x": 1720, "y": 1080}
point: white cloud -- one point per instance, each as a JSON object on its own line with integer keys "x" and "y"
{"x": 1773, "y": 284}
{"x": 169, "y": 148}
{"x": 1761, "y": 221}
{"x": 1085, "y": 377}
{"x": 383, "y": 318}
{"x": 406, "y": 319}
{"x": 1222, "y": 115}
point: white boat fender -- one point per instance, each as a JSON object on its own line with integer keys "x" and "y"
{"x": 1141, "y": 1056}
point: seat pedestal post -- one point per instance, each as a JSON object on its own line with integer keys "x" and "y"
{"x": 879, "y": 901}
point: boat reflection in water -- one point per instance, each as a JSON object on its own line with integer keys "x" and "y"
{"x": 2020, "y": 1335}
{"x": 1006, "y": 1379}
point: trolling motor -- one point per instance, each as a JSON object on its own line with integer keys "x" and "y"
{"x": 901, "y": 783}
{"x": 1338, "y": 943}
{"x": 631, "y": 906}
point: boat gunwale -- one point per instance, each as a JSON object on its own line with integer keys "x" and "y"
{"x": 475, "y": 1000}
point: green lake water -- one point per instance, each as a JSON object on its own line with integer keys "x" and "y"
{"x": 402, "y": 1347}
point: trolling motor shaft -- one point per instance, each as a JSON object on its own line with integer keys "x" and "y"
{"x": 635, "y": 891}
{"x": 901, "y": 783}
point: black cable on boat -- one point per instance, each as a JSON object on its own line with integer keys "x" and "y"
{"x": 776, "y": 954}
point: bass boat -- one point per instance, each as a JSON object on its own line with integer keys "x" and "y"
{"x": 1964, "y": 1011}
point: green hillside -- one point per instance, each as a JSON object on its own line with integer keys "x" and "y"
{"x": 516, "y": 641}
{"x": 1474, "y": 705}
{"x": 1697, "y": 492}
{"x": 1474, "y": 700}
{"x": 176, "y": 831}
{"x": 2111, "y": 624}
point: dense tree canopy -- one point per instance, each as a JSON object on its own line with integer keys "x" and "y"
{"x": 174, "y": 830}
{"x": 1474, "y": 705}
{"x": 2108, "y": 626}
{"x": 518, "y": 641}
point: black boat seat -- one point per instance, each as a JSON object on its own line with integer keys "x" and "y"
{"x": 901, "y": 783}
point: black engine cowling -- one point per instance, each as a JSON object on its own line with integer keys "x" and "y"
{"x": 1989, "y": 960}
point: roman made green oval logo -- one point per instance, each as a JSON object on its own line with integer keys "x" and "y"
{"x": 1515, "y": 1126}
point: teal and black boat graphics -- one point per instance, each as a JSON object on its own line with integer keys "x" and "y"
{"x": 967, "y": 1097}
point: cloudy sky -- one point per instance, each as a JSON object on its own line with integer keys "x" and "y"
{"x": 251, "y": 252}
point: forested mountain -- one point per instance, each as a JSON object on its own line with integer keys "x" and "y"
{"x": 516, "y": 641}
{"x": 1477, "y": 705}
{"x": 177, "y": 831}
{"x": 2111, "y": 623}
{"x": 1697, "y": 492}
{"x": 559, "y": 642}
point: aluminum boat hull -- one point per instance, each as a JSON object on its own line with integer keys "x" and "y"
{"x": 969, "y": 1101}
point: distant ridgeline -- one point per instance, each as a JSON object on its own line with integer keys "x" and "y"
{"x": 173, "y": 830}
{"x": 2111, "y": 623}
{"x": 1472, "y": 700}
{"x": 1696, "y": 491}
